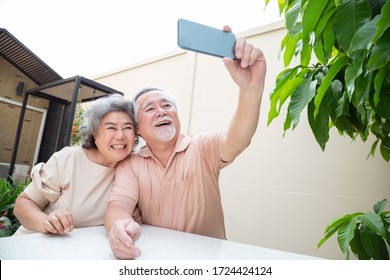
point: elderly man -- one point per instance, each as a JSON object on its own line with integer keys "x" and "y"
{"x": 173, "y": 180}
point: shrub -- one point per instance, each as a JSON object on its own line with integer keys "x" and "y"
{"x": 366, "y": 234}
{"x": 9, "y": 191}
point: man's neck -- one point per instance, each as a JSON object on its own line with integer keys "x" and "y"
{"x": 163, "y": 150}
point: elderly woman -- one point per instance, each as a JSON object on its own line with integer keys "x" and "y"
{"x": 71, "y": 189}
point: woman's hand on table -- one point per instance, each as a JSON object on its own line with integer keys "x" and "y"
{"x": 58, "y": 222}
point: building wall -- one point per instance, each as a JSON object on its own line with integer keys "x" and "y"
{"x": 281, "y": 192}
{"x": 10, "y": 104}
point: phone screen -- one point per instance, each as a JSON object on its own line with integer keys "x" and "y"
{"x": 205, "y": 39}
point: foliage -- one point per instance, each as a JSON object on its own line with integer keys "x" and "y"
{"x": 75, "y": 137}
{"x": 9, "y": 191}
{"x": 365, "y": 233}
{"x": 348, "y": 87}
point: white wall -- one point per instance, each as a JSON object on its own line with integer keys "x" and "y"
{"x": 280, "y": 192}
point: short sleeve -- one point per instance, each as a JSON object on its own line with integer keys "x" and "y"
{"x": 209, "y": 144}
{"x": 125, "y": 187}
{"x": 45, "y": 186}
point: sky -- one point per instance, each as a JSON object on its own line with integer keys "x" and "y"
{"x": 91, "y": 37}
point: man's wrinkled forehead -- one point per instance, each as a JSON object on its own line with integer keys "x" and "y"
{"x": 150, "y": 96}
{"x": 153, "y": 96}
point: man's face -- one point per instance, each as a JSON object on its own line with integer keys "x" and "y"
{"x": 157, "y": 118}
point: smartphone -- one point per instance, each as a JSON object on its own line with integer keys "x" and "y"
{"x": 205, "y": 39}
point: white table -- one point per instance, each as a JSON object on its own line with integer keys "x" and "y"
{"x": 155, "y": 244}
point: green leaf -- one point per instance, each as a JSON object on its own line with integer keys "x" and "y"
{"x": 361, "y": 94}
{"x": 312, "y": 15}
{"x": 380, "y": 206}
{"x": 334, "y": 93}
{"x": 374, "y": 222}
{"x": 281, "y": 96}
{"x": 319, "y": 52}
{"x": 319, "y": 125}
{"x": 284, "y": 42}
{"x": 288, "y": 89}
{"x": 292, "y": 16}
{"x": 305, "y": 51}
{"x": 281, "y": 5}
{"x": 358, "y": 248}
{"x": 376, "y": 5}
{"x": 341, "y": 108}
{"x": 301, "y": 96}
{"x": 290, "y": 49}
{"x": 355, "y": 119}
{"x": 328, "y": 39}
{"x": 333, "y": 70}
{"x": 282, "y": 80}
{"x": 287, "y": 122}
{"x": 376, "y": 128}
{"x": 335, "y": 225}
{"x": 332, "y": 230}
{"x": 350, "y": 16}
{"x": 373, "y": 244}
{"x": 325, "y": 20}
{"x": 380, "y": 54}
{"x": 340, "y": 220}
{"x": 346, "y": 233}
{"x": 385, "y": 148}
{"x": 6, "y": 207}
{"x": 379, "y": 78}
{"x": 345, "y": 126}
{"x": 363, "y": 36}
{"x": 286, "y": 74}
{"x": 373, "y": 148}
{"x": 383, "y": 23}
{"x": 382, "y": 108}
{"x": 326, "y": 237}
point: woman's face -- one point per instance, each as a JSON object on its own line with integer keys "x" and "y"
{"x": 115, "y": 137}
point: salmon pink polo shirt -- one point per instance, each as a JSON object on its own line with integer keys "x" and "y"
{"x": 184, "y": 195}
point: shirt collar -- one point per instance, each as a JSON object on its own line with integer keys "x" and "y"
{"x": 181, "y": 144}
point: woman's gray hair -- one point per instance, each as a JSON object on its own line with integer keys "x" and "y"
{"x": 93, "y": 116}
{"x": 165, "y": 93}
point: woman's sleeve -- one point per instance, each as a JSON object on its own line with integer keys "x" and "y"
{"x": 45, "y": 186}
